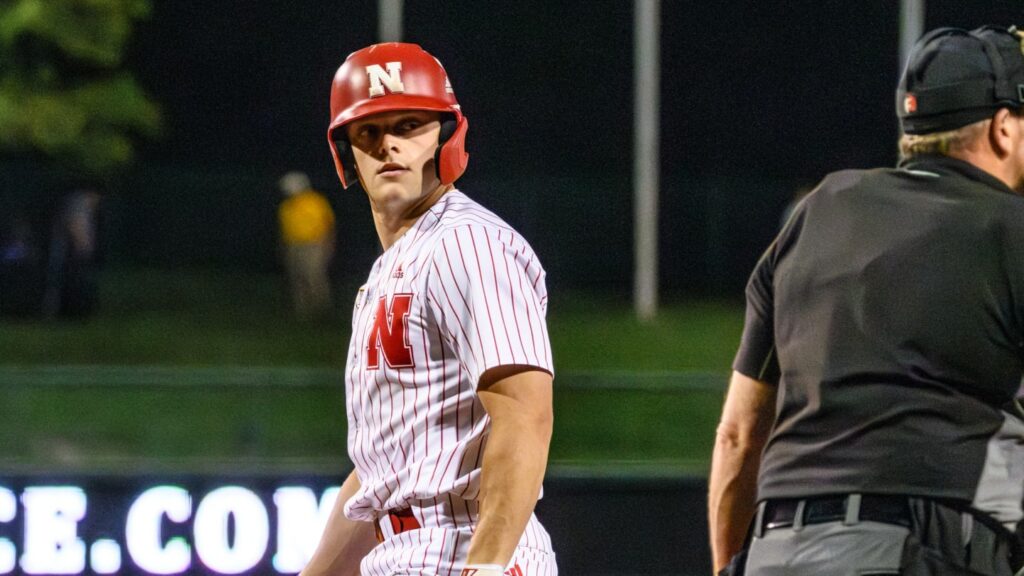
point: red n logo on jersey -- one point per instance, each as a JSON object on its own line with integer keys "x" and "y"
{"x": 390, "y": 334}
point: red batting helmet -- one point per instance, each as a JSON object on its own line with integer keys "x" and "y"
{"x": 396, "y": 76}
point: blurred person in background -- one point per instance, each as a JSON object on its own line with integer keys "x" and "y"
{"x": 871, "y": 424}
{"x": 307, "y": 241}
{"x": 73, "y": 260}
{"x": 21, "y": 270}
{"x": 449, "y": 373}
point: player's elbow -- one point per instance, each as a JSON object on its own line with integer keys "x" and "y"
{"x": 735, "y": 437}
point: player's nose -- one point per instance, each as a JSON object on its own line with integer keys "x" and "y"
{"x": 389, "y": 142}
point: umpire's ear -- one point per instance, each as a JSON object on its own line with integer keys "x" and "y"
{"x": 1006, "y": 134}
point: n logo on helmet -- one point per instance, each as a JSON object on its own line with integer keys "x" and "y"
{"x": 390, "y": 334}
{"x": 379, "y": 78}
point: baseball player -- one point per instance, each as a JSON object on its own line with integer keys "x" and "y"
{"x": 870, "y": 425}
{"x": 449, "y": 372}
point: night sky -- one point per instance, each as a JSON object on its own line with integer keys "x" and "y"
{"x": 786, "y": 88}
{"x": 765, "y": 96}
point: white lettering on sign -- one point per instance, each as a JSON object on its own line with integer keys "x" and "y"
{"x": 105, "y": 557}
{"x": 8, "y": 511}
{"x": 379, "y": 79}
{"x": 165, "y": 531}
{"x": 52, "y": 545}
{"x": 212, "y": 530}
{"x": 300, "y": 522}
{"x": 142, "y": 530}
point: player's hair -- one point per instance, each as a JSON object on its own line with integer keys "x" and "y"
{"x": 947, "y": 142}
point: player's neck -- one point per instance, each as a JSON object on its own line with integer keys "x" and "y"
{"x": 392, "y": 222}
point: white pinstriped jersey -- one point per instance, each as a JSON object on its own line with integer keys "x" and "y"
{"x": 459, "y": 293}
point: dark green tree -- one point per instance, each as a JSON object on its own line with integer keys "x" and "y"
{"x": 64, "y": 93}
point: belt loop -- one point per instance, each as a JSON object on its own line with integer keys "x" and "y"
{"x": 852, "y": 510}
{"x": 798, "y": 516}
{"x": 966, "y": 528}
{"x": 759, "y": 519}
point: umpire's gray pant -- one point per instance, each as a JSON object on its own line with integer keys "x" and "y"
{"x": 941, "y": 541}
{"x": 832, "y": 549}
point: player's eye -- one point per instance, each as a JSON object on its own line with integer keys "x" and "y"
{"x": 366, "y": 132}
{"x": 409, "y": 125}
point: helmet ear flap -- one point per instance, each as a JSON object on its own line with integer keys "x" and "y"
{"x": 451, "y": 158}
{"x": 448, "y": 124}
{"x": 347, "y": 160}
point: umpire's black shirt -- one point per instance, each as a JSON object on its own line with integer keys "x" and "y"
{"x": 890, "y": 312}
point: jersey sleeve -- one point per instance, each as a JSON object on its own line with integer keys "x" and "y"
{"x": 487, "y": 292}
{"x": 756, "y": 357}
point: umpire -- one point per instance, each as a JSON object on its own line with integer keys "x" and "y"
{"x": 870, "y": 425}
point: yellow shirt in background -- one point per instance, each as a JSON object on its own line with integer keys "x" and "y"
{"x": 305, "y": 218}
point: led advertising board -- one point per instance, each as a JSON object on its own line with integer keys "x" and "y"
{"x": 158, "y": 526}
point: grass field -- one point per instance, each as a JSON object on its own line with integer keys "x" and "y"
{"x": 608, "y": 413}
{"x": 210, "y": 318}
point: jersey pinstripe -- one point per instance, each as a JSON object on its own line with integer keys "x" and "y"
{"x": 459, "y": 293}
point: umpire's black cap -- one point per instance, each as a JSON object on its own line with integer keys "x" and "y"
{"x": 956, "y": 77}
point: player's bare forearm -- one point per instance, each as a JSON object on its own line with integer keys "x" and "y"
{"x": 732, "y": 486}
{"x": 344, "y": 542}
{"x": 518, "y": 401}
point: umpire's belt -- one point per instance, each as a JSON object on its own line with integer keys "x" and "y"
{"x": 394, "y": 522}
{"x": 848, "y": 508}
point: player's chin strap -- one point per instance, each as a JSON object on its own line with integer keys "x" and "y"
{"x": 483, "y": 570}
